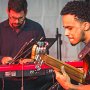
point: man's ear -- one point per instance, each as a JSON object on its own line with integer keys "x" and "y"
{"x": 26, "y": 12}
{"x": 86, "y": 26}
{"x": 7, "y": 11}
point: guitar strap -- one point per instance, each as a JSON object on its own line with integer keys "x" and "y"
{"x": 84, "y": 52}
{"x": 86, "y": 68}
{"x": 85, "y": 56}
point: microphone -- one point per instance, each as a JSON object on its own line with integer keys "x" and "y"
{"x": 21, "y": 51}
{"x": 30, "y": 41}
{"x": 42, "y": 38}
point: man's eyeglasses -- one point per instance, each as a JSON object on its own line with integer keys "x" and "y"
{"x": 20, "y": 19}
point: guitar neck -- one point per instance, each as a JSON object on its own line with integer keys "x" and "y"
{"x": 56, "y": 64}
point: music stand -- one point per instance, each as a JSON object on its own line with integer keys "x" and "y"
{"x": 50, "y": 41}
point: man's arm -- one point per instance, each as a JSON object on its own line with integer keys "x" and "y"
{"x": 64, "y": 81}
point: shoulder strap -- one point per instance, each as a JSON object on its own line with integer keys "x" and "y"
{"x": 85, "y": 51}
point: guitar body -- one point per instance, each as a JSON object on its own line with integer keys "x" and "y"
{"x": 73, "y": 72}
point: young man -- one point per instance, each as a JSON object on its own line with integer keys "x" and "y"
{"x": 76, "y": 21}
{"x": 14, "y": 33}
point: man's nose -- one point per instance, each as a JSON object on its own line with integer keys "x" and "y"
{"x": 17, "y": 21}
{"x": 67, "y": 32}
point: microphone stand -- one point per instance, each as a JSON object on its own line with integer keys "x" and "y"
{"x": 3, "y": 82}
{"x": 22, "y": 85}
{"x": 59, "y": 42}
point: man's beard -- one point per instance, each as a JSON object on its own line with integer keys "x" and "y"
{"x": 74, "y": 44}
{"x": 17, "y": 27}
{"x": 81, "y": 40}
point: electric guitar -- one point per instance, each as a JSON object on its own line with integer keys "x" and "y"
{"x": 74, "y": 73}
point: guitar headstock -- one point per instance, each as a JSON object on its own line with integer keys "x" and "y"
{"x": 38, "y": 49}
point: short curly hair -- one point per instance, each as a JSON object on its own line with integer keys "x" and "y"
{"x": 17, "y": 5}
{"x": 80, "y": 9}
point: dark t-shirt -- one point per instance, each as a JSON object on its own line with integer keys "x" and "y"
{"x": 11, "y": 42}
